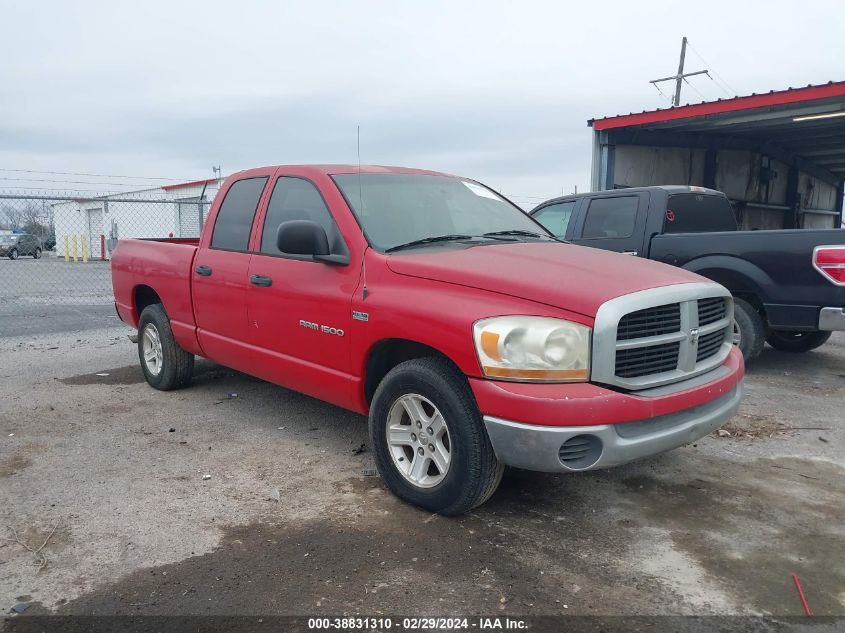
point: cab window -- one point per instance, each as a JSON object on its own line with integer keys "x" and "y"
{"x": 296, "y": 199}
{"x": 556, "y": 217}
{"x": 234, "y": 219}
{"x": 611, "y": 217}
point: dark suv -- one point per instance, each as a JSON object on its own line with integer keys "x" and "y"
{"x": 13, "y": 246}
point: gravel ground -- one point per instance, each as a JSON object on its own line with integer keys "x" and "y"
{"x": 50, "y": 280}
{"x": 289, "y": 522}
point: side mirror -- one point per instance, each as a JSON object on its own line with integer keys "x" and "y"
{"x": 302, "y": 237}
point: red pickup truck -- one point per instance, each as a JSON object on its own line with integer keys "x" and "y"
{"x": 470, "y": 335}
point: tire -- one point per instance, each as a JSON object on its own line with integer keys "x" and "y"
{"x": 169, "y": 367}
{"x": 749, "y": 329}
{"x": 13, "y": 254}
{"x": 36, "y": 254}
{"x": 797, "y": 342}
{"x": 472, "y": 474}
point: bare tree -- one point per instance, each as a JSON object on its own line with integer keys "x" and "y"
{"x": 30, "y": 215}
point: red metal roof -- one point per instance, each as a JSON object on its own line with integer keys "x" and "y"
{"x": 193, "y": 183}
{"x": 721, "y": 106}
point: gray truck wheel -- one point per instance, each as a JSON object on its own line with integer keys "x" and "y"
{"x": 797, "y": 342}
{"x": 36, "y": 253}
{"x": 165, "y": 365}
{"x": 429, "y": 440}
{"x": 13, "y": 254}
{"x": 749, "y": 330}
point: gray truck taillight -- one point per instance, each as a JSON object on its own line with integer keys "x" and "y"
{"x": 830, "y": 262}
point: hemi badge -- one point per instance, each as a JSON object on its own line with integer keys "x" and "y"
{"x": 360, "y": 316}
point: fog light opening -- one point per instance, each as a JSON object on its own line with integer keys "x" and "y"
{"x": 580, "y": 452}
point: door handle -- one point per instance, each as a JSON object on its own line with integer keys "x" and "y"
{"x": 635, "y": 253}
{"x": 205, "y": 271}
{"x": 260, "y": 280}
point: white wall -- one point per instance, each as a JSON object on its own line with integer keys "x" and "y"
{"x": 137, "y": 214}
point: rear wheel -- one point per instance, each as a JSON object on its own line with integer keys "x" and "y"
{"x": 429, "y": 440}
{"x": 749, "y": 330}
{"x": 165, "y": 365}
{"x": 797, "y": 341}
{"x": 13, "y": 254}
{"x": 36, "y": 254}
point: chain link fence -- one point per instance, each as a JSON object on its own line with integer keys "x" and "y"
{"x": 55, "y": 249}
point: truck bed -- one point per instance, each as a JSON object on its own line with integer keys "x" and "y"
{"x": 164, "y": 264}
{"x": 778, "y": 262}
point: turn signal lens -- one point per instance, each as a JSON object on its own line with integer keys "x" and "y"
{"x": 830, "y": 262}
{"x": 527, "y": 348}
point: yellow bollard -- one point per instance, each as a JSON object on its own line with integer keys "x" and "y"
{"x": 67, "y": 252}
{"x": 75, "y": 258}
{"x": 84, "y": 240}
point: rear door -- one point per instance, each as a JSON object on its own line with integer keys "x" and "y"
{"x": 300, "y": 309}
{"x": 220, "y": 276}
{"x": 613, "y": 222}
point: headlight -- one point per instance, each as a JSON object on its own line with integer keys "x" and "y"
{"x": 530, "y": 348}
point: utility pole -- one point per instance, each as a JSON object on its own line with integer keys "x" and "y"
{"x": 681, "y": 76}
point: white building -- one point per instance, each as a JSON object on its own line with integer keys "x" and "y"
{"x": 167, "y": 211}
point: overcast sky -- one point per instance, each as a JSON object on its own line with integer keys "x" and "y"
{"x": 498, "y": 91}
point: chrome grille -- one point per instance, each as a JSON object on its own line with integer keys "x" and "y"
{"x": 709, "y": 344}
{"x": 650, "y": 322}
{"x": 642, "y": 361}
{"x": 711, "y": 310}
{"x": 663, "y": 335}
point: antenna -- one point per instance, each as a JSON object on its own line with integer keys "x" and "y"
{"x": 680, "y": 77}
{"x": 364, "y": 291}
{"x": 360, "y": 193}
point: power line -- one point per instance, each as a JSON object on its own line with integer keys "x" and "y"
{"x": 77, "y": 182}
{"x": 694, "y": 88}
{"x": 73, "y": 173}
{"x": 516, "y": 195}
{"x": 55, "y": 190}
{"x": 730, "y": 91}
{"x": 662, "y": 94}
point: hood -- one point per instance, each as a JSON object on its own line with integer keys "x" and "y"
{"x": 569, "y": 277}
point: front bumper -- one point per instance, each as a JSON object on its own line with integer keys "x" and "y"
{"x": 574, "y": 448}
{"x": 831, "y": 319}
{"x": 528, "y": 424}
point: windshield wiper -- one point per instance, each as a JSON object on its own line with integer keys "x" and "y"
{"x": 522, "y": 232}
{"x": 428, "y": 240}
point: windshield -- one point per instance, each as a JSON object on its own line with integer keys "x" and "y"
{"x": 395, "y": 209}
{"x": 698, "y": 213}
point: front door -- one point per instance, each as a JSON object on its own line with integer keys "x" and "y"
{"x": 299, "y": 309}
{"x": 615, "y": 222}
{"x": 220, "y": 279}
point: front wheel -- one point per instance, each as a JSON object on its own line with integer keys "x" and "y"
{"x": 37, "y": 253}
{"x": 13, "y": 254}
{"x": 749, "y": 330}
{"x": 429, "y": 440}
{"x": 165, "y": 365}
{"x": 797, "y": 342}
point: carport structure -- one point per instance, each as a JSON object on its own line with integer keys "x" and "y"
{"x": 779, "y": 156}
